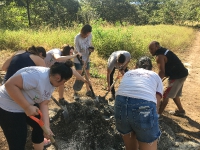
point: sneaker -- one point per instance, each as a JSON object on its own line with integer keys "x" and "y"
{"x": 76, "y": 97}
{"x": 47, "y": 143}
{"x": 112, "y": 98}
{"x": 89, "y": 93}
{"x": 62, "y": 101}
{"x": 180, "y": 113}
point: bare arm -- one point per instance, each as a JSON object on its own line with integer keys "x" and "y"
{"x": 108, "y": 78}
{"x": 38, "y": 60}
{"x": 124, "y": 67}
{"x": 126, "y": 64}
{"x": 76, "y": 44}
{"x": 160, "y": 59}
{"x": 14, "y": 86}
{"x": 78, "y": 76}
{"x": 158, "y": 97}
{"x": 59, "y": 58}
{"x": 45, "y": 111}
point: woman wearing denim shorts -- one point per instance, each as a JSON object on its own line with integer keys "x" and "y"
{"x": 137, "y": 101}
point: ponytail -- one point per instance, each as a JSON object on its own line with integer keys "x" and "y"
{"x": 36, "y": 50}
{"x": 63, "y": 69}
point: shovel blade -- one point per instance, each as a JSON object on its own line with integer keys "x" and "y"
{"x": 78, "y": 85}
{"x": 65, "y": 113}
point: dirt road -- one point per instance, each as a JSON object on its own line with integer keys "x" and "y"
{"x": 188, "y": 127}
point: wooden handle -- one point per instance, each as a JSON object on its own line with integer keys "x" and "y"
{"x": 47, "y": 132}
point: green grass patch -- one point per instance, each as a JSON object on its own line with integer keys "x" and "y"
{"x": 106, "y": 39}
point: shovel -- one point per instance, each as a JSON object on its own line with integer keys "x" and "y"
{"x": 41, "y": 124}
{"x": 79, "y": 83}
{"x": 86, "y": 76}
{"x": 64, "y": 108}
{"x": 116, "y": 79}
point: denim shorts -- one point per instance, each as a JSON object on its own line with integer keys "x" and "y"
{"x": 138, "y": 116}
{"x": 79, "y": 67}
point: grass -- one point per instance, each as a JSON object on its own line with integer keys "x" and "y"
{"x": 106, "y": 39}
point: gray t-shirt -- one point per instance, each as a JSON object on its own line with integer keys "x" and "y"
{"x": 36, "y": 88}
{"x": 112, "y": 60}
{"x": 82, "y": 45}
{"x": 49, "y": 59}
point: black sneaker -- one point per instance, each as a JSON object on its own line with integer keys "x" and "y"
{"x": 89, "y": 93}
{"x": 62, "y": 101}
{"x": 112, "y": 98}
{"x": 180, "y": 113}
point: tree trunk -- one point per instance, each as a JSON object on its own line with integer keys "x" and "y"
{"x": 28, "y": 12}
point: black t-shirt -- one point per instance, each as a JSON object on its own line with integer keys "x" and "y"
{"x": 174, "y": 68}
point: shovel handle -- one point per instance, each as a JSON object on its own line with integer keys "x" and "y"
{"x": 86, "y": 76}
{"x": 57, "y": 103}
{"x": 163, "y": 79}
{"x": 113, "y": 84}
{"x": 47, "y": 132}
{"x": 41, "y": 124}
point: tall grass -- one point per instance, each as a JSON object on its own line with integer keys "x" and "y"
{"x": 106, "y": 39}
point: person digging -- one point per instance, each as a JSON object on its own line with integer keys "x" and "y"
{"x": 170, "y": 66}
{"x": 83, "y": 44}
{"x": 117, "y": 60}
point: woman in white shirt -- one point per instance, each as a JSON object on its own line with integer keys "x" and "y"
{"x": 137, "y": 101}
{"x": 83, "y": 45}
{"x": 62, "y": 55}
{"x": 18, "y": 95}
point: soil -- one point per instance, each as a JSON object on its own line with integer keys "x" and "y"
{"x": 90, "y": 125}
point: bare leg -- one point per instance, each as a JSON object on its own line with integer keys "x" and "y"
{"x": 130, "y": 141}
{"x": 148, "y": 146}
{"x": 38, "y": 146}
{"x": 61, "y": 91}
{"x": 163, "y": 104}
{"x": 178, "y": 103}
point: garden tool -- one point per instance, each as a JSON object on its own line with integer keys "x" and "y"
{"x": 163, "y": 79}
{"x": 117, "y": 78}
{"x": 86, "y": 76}
{"x": 79, "y": 83}
{"x": 63, "y": 108}
{"x": 41, "y": 124}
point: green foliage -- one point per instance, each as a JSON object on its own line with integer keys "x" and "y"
{"x": 94, "y": 72}
{"x": 106, "y": 39}
{"x": 17, "y": 14}
{"x": 135, "y": 39}
{"x": 13, "y": 17}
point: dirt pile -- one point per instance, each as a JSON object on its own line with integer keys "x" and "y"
{"x": 87, "y": 127}
{"x": 92, "y": 127}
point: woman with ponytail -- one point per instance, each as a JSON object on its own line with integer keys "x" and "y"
{"x": 29, "y": 86}
{"x": 33, "y": 56}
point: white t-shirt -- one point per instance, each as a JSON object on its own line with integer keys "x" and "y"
{"x": 82, "y": 45}
{"x": 49, "y": 59}
{"x": 112, "y": 60}
{"x": 36, "y": 88}
{"x": 141, "y": 84}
